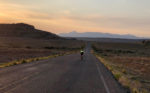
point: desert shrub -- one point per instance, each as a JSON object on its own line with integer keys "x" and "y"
{"x": 110, "y": 68}
{"x": 146, "y": 42}
{"x": 128, "y": 51}
{"x": 119, "y": 51}
{"x": 23, "y": 61}
{"x": 32, "y": 59}
{"x": 37, "y": 59}
{"x": 28, "y": 47}
{"x": 15, "y": 63}
{"x": 109, "y": 50}
{"x": 124, "y": 71}
{"x": 135, "y": 90}
{"x": 49, "y": 47}
{"x": 133, "y": 78}
{"x": 117, "y": 76}
{"x": 94, "y": 48}
{"x": 122, "y": 51}
{"x": 65, "y": 48}
{"x": 100, "y": 51}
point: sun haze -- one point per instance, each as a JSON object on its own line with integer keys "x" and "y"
{"x": 57, "y": 16}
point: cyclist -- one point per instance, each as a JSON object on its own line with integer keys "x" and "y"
{"x": 81, "y": 52}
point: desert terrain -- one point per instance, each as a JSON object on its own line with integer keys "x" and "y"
{"x": 129, "y": 62}
{"x": 23, "y": 41}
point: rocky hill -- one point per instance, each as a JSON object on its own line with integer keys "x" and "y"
{"x": 24, "y": 30}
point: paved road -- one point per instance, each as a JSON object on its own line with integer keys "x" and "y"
{"x": 65, "y": 74}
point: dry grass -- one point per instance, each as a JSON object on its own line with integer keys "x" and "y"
{"x": 16, "y": 48}
{"x": 23, "y": 61}
{"x": 10, "y": 54}
{"x": 16, "y": 42}
{"x": 129, "y": 62}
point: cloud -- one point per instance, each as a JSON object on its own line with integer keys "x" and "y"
{"x": 58, "y": 20}
{"x": 114, "y": 22}
{"x": 18, "y": 12}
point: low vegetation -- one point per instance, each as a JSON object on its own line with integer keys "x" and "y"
{"x": 23, "y": 41}
{"x": 23, "y": 61}
{"x": 146, "y": 42}
{"x": 129, "y": 63}
{"x": 26, "y": 48}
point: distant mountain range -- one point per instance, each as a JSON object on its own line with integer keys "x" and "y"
{"x": 25, "y": 30}
{"x": 98, "y": 35}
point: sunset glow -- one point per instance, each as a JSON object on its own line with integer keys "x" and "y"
{"x": 58, "y": 16}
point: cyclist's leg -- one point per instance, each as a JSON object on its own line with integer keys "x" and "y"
{"x": 81, "y": 57}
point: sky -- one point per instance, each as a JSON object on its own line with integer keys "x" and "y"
{"x": 59, "y": 16}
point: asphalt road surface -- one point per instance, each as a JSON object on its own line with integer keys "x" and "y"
{"x": 64, "y": 74}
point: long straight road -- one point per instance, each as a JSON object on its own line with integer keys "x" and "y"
{"x": 64, "y": 74}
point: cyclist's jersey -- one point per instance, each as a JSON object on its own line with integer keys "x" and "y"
{"x": 81, "y": 52}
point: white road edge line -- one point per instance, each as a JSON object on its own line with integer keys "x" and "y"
{"x": 102, "y": 78}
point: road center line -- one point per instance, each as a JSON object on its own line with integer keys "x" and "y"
{"x": 102, "y": 78}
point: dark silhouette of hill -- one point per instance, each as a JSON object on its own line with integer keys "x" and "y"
{"x": 25, "y": 30}
{"x": 98, "y": 35}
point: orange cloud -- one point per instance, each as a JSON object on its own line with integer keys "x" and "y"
{"x": 65, "y": 21}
